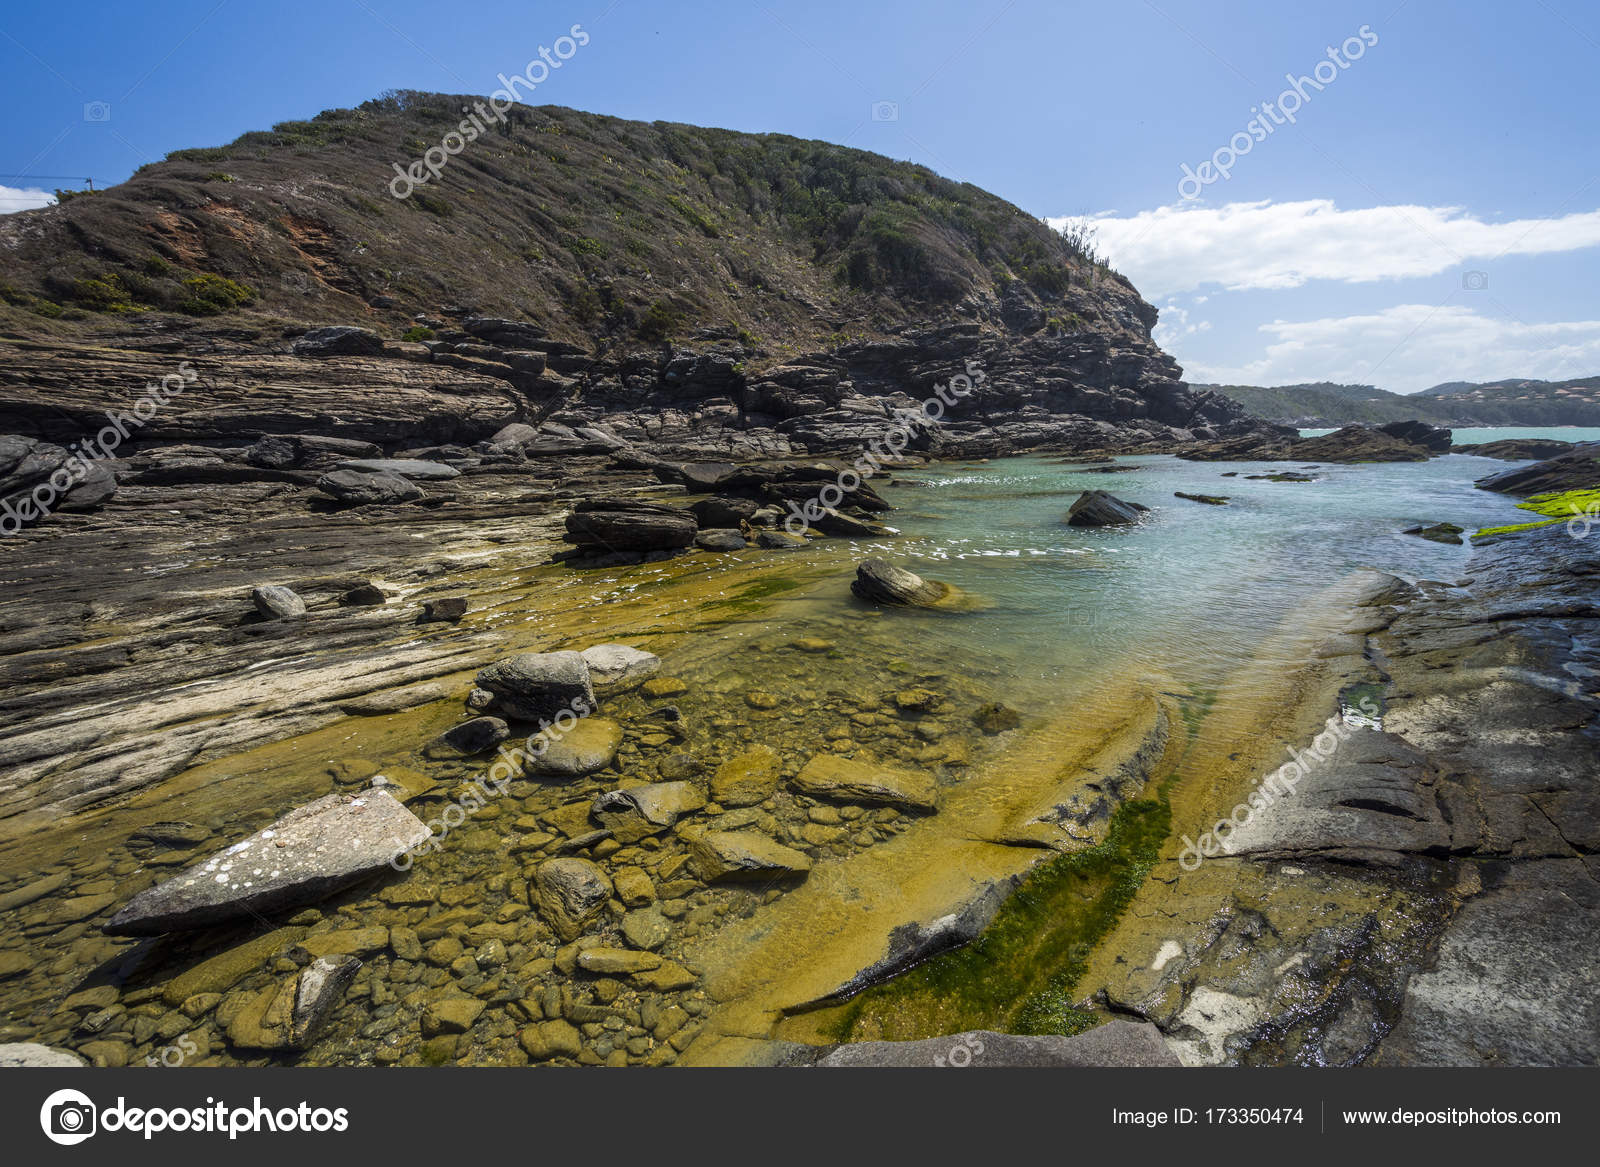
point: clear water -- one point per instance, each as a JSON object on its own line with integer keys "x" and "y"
{"x": 1193, "y": 584}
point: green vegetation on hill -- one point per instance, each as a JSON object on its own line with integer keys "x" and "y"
{"x": 1508, "y": 403}
{"x": 581, "y": 222}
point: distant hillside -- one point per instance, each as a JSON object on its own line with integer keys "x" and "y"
{"x": 1459, "y": 404}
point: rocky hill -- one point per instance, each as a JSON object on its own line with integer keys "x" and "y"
{"x": 1456, "y": 403}
{"x": 700, "y": 292}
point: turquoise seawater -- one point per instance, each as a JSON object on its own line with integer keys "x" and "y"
{"x": 1187, "y": 596}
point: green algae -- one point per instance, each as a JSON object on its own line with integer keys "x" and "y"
{"x": 1581, "y": 506}
{"x": 1019, "y": 975}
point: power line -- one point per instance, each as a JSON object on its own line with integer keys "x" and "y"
{"x": 51, "y": 177}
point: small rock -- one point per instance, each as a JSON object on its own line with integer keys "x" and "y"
{"x": 444, "y": 610}
{"x": 278, "y": 603}
{"x": 470, "y": 738}
{"x": 748, "y": 779}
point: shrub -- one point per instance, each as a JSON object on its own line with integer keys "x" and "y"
{"x": 418, "y": 332}
{"x": 212, "y": 295}
{"x": 658, "y": 323}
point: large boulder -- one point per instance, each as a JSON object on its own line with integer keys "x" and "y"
{"x": 339, "y": 340}
{"x": 619, "y": 668}
{"x": 359, "y": 488}
{"x": 620, "y": 525}
{"x": 1097, "y": 508}
{"x": 536, "y": 686}
{"x": 570, "y": 893}
{"x": 307, "y": 855}
{"x": 845, "y": 780}
{"x": 880, "y": 582}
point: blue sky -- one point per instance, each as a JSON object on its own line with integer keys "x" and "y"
{"x": 1432, "y": 214}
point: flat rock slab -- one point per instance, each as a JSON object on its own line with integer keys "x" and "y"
{"x": 1118, "y": 1043}
{"x": 732, "y": 855}
{"x": 30, "y": 1054}
{"x": 305, "y": 856}
{"x": 830, "y": 776}
{"x": 413, "y": 468}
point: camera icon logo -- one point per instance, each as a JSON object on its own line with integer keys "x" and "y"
{"x": 68, "y": 1117}
{"x": 96, "y": 111}
{"x": 1475, "y": 281}
{"x": 885, "y": 111}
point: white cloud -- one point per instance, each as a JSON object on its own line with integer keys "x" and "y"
{"x": 1284, "y": 245}
{"x": 13, "y": 198}
{"x": 1175, "y": 324}
{"x": 1412, "y": 346}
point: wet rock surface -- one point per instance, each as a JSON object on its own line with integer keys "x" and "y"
{"x": 1449, "y": 847}
{"x": 306, "y": 855}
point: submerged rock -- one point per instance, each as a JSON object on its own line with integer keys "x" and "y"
{"x": 290, "y": 1015}
{"x": 1216, "y": 500}
{"x": 747, "y": 779}
{"x": 534, "y": 686}
{"x": 477, "y": 736}
{"x": 307, "y": 855}
{"x": 638, "y": 811}
{"x": 1437, "y": 532}
{"x": 1098, "y": 508}
{"x": 569, "y": 893}
{"x": 719, "y": 856}
{"x": 845, "y": 780}
{"x": 590, "y": 745}
{"x": 996, "y": 718}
